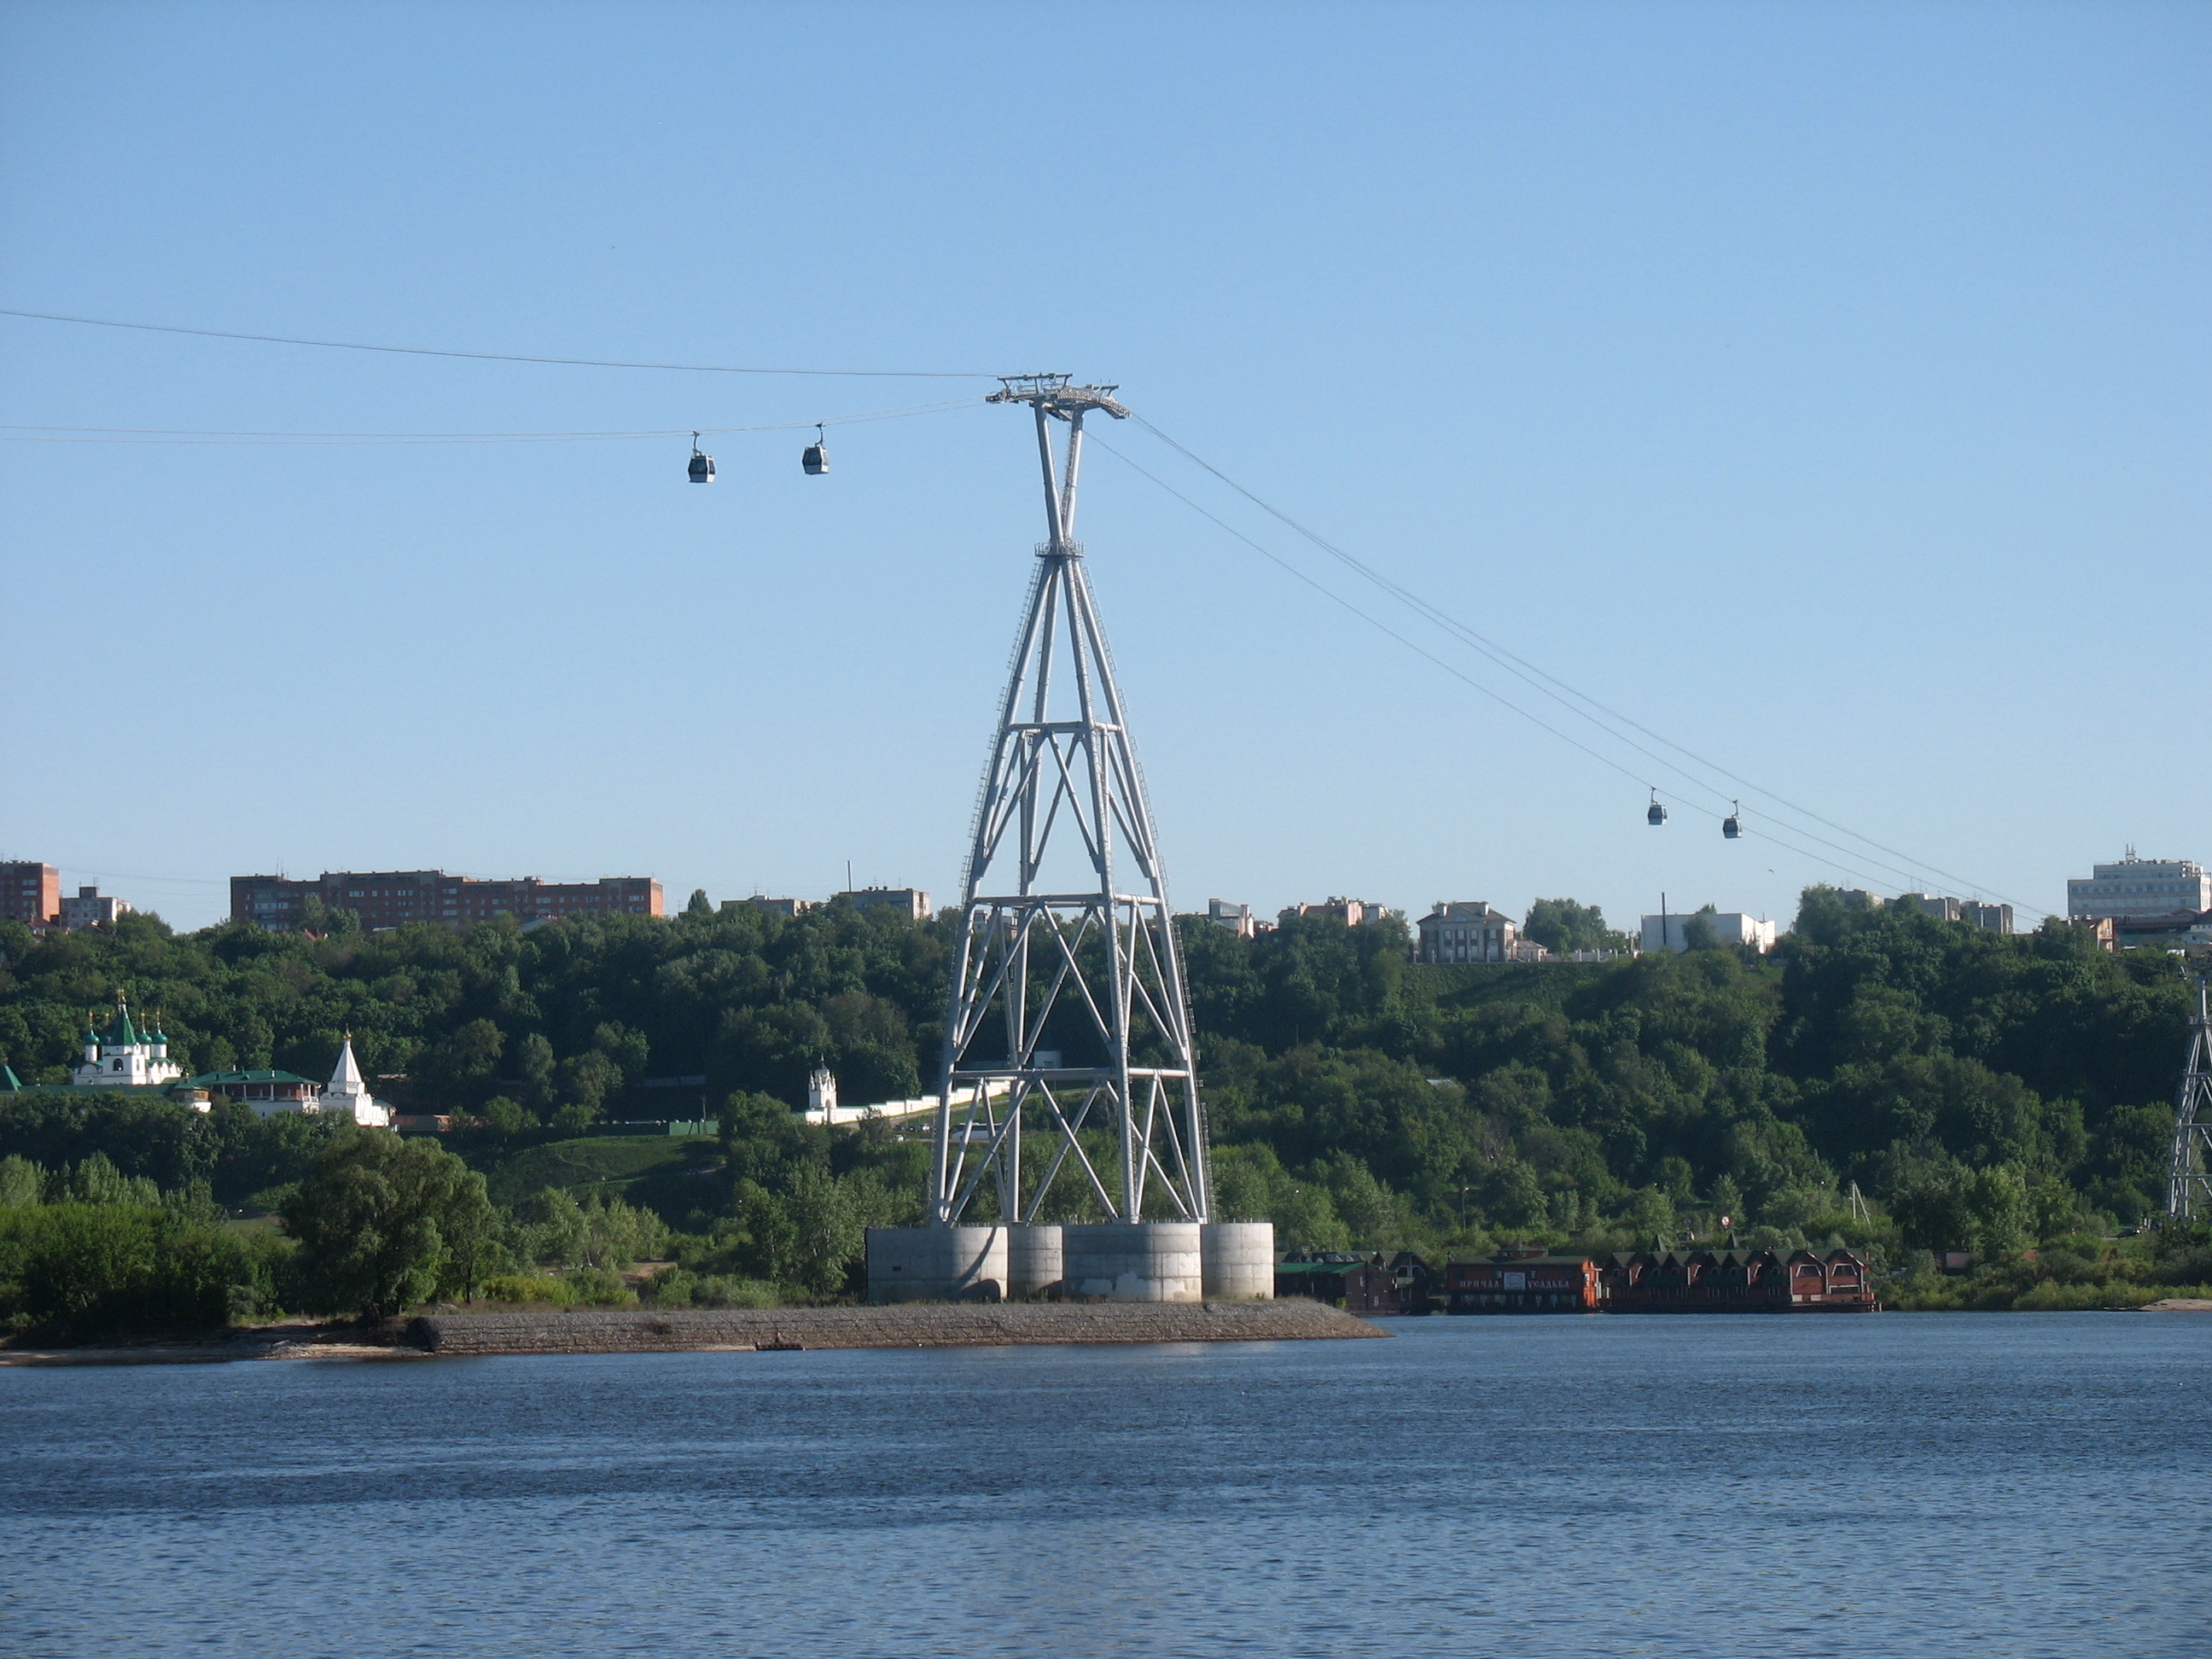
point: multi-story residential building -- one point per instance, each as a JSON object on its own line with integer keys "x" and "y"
{"x": 89, "y": 910}
{"x": 1236, "y": 918}
{"x": 1943, "y": 909}
{"x": 1352, "y": 912}
{"x": 30, "y": 893}
{"x": 1670, "y": 932}
{"x": 2140, "y": 887}
{"x": 1997, "y": 918}
{"x": 391, "y": 898}
{"x": 1466, "y": 930}
{"x": 911, "y": 902}
{"x": 774, "y": 907}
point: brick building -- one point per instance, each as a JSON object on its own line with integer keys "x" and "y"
{"x": 1357, "y": 1283}
{"x": 1727, "y": 1279}
{"x": 390, "y": 898}
{"x": 1730, "y": 1279}
{"x": 1523, "y": 1279}
{"x": 30, "y": 893}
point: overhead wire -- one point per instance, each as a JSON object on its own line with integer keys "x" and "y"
{"x": 1515, "y": 664}
{"x": 502, "y": 356}
{"x": 1457, "y": 673}
{"x": 21, "y": 433}
{"x": 1567, "y": 695}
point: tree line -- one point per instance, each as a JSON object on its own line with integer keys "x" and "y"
{"x": 1886, "y": 1077}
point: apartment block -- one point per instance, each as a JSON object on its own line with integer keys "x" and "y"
{"x": 30, "y": 893}
{"x": 90, "y": 908}
{"x": 910, "y": 901}
{"x": 774, "y": 907}
{"x": 391, "y": 898}
{"x": 2140, "y": 887}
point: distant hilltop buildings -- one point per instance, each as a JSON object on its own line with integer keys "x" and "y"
{"x": 390, "y": 898}
{"x": 32, "y": 893}
{"x": 125, "y": 1057}
{"x": 2133, "y": 902}
{"x": 2145, "y": 902}
{"x": 1671, "y": 930}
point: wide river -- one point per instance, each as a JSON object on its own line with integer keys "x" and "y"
{"x": 1903, "y": 1485}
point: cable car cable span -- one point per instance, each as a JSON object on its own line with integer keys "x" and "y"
{"x": 90, "y": 434}
{"x": 1499, "y": 654}
{"x": 504, "y": 356}
{"x": 1455, "y": 672}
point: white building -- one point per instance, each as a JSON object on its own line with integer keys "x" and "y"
{"x": 348, "y": 1095}
{"x": 1466, "y": 930}
{"x": 1671, "y": 931}
{"x": 2139, "y": 887}
{"x": 125, "y": 1057}
{"x": 1236, "y": 918}
{"x": 89, "y": 910}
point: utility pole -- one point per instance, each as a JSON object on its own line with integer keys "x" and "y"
{"x": 1067, "y": 1005}
{"x": 2189, "y": 1183}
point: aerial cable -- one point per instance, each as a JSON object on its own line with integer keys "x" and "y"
{"x": 1455, "y": 672}
{"x": 1496, "y": 652}
{"x": 28, "y": 433}
{"x": 505, "y": 356}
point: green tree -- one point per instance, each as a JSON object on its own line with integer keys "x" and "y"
{"x": 87, "y": 1267}
{"x": 382, "y": 1222}
{"x": 1563, "y": 925}
{"x": 699, "y": 904}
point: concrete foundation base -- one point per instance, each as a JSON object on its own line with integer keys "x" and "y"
{"x": 936, "y": 1264}
{"x": 1033, "y": 1260}
{"x": 1240, "y": 1260}
{"x": 1133, "y": 1261}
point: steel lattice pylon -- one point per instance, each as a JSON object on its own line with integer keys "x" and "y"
{"x": 2189, "y": 1188}
{"x": 1068, "y": 1008}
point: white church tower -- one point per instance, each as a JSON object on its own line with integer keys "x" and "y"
{"x": 125, "y": 1057}
{"x": 348, "y": 1095}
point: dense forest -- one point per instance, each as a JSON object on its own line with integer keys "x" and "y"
{"x": 1977, "y": 1090}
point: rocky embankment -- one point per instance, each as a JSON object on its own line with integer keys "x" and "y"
{"x": 918, "y": 1325}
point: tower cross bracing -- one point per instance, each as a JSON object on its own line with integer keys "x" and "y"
{"x": 2189, "y": 1183}
{"x": 1068, "y": 1019}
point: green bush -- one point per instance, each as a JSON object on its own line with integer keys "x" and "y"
{"x": 716, "y": 1291}
{"x": 524, "y": 1287}
{"x": 86, "y": 1268}
{"x": 600, "y": 1289}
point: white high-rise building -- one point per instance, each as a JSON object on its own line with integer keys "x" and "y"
{"x": 348, "y": 1095}
{"x": 2140, "y": 887}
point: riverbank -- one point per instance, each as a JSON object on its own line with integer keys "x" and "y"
{"x": 913, "y": 1325}
{"x": 645, "y": 1330}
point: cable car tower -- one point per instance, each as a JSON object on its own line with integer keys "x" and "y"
{"x": 1067, "y": 1009}
{"x": 2189, "y": 1185}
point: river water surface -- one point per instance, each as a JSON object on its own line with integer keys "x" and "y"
{"x": 2002, "y": 1485}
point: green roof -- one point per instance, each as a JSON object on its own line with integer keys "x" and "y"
{"x": 122, "y": 1031}
{"x": 216, "y": 1079}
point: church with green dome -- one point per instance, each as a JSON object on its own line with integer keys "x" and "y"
{"x": 124, "y": 1057}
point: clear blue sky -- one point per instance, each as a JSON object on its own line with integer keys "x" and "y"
{"x": 1823, "y": 387}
